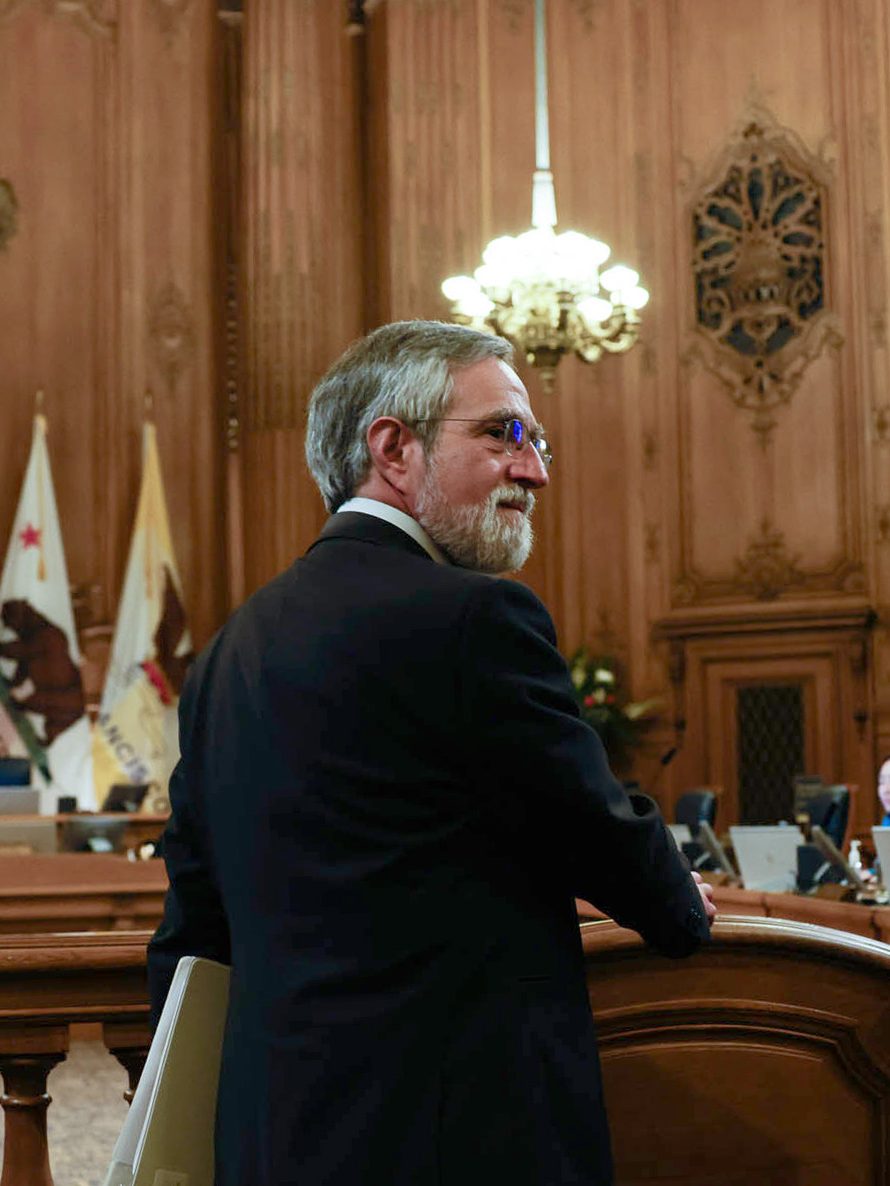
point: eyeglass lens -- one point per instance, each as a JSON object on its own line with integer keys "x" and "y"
{"x": 516, "y": 435}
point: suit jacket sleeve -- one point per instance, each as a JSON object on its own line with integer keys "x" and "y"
{"x": 548, "y": 777}
{"x": 194, "y": 921}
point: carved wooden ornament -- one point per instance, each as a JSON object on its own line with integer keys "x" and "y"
{"x": 171, "y": 333}
{"x": 759, "y": 267}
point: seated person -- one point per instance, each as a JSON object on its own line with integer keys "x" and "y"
{"x": 884, "y": 791}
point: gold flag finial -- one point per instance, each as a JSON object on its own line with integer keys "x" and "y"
{"x": 149, "y": 400}
{"x": 38, "y": 401}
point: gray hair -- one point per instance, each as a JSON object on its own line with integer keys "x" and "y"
{"x": 405, "y": 370}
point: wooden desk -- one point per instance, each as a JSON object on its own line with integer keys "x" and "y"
{"x": 141, "y": 827}
{"x": 80, "y": 892}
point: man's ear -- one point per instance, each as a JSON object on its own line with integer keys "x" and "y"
{"x": 395, "y": 451}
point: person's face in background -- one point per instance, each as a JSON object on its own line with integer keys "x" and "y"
{"x": 884, "y": 785}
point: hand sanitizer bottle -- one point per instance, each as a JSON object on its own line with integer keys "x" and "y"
{"x": 855, "y": 858}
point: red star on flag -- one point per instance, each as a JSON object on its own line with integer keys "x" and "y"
{"x": 30, "y": 536}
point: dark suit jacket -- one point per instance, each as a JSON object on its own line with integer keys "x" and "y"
{"x": 385, "y": 806}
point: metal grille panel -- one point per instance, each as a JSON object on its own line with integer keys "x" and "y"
{"x": 770, "y": 720}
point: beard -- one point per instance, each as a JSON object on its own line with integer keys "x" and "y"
{"x": 479, "y": 536}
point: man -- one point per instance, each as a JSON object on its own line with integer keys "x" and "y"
{"x": 387, "y": 802}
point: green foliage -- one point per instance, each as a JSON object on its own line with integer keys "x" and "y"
{"x": 619, "y": 722}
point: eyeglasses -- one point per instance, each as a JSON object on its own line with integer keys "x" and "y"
{"x": 513, "y": 434}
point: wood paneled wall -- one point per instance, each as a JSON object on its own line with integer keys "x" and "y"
{"x": 215, "y": 211}
{"x": 106, "y": 285}
{"x": 303, "y": 294}
{"x": 670, "y": 516}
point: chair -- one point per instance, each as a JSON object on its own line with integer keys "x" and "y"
{"x": 804, "y": 788}
{"x": 696, "y": 807}
{"x": 830, "y": 809}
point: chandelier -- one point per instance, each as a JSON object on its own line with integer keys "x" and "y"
{"x": 542, "y": 290}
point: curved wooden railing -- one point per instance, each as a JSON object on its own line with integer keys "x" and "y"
{"x": 47, "y": 984}
{"x": 763, "y": 1058}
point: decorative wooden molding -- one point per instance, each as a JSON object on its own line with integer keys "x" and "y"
{"x": 356, "y": 17}
{"x": 97, "y": 17}
{"x": 605, "y": 639}
{"x": 877, "y": 302}
{"x": 652, "y": 542}
{"x": 9, "y": 208}
{"x": 759, "y": 263}
{"x": 171, "y": 333}
{"x": 588, "y": 11}
{"x": 169, "y": 14}
{"x": 778, "y": 619}
{"x": 881, "y": 423}
{"x": 515, "y": 12}
{"x": 767, "y": 568}
{"x": 229, "y": 226}
{"x": 677, "y": 662}
{"x": 766, "y": 572}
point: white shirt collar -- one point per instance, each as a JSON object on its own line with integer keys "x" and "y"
{"x": 382, "y": 510}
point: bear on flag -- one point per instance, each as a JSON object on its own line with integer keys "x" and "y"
{"x": 42, "y": 710}
{"x": 136, "y": 739}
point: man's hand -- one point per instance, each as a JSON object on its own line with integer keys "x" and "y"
{"x": 707, "y": 896}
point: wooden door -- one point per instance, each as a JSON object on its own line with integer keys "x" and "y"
{"x": 813, "y": 683}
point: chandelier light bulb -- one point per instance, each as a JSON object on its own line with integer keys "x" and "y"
{"x": 635, "y": 298}
{"x": 476, "y": 306}
{"x": 619, "y": 279}
{"x": 595, "y": 311}
{"x": 456, "y": 288}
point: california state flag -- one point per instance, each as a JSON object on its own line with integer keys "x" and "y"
{"x": 42, "y": 710}
{"x": 136, "y": 738}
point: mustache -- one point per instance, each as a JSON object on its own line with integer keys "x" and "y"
{"x": 516, "y": 495}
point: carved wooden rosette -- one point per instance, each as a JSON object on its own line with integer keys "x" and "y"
{"x": 759, "y": 268}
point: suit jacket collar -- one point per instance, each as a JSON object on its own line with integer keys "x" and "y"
{"x": 369, "y": 529}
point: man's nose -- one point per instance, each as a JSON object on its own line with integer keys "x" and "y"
{"x": 527, "y": 467}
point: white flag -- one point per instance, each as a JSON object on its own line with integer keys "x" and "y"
{"x": 137, "y": 738}
{"x": 42, "y": 711}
